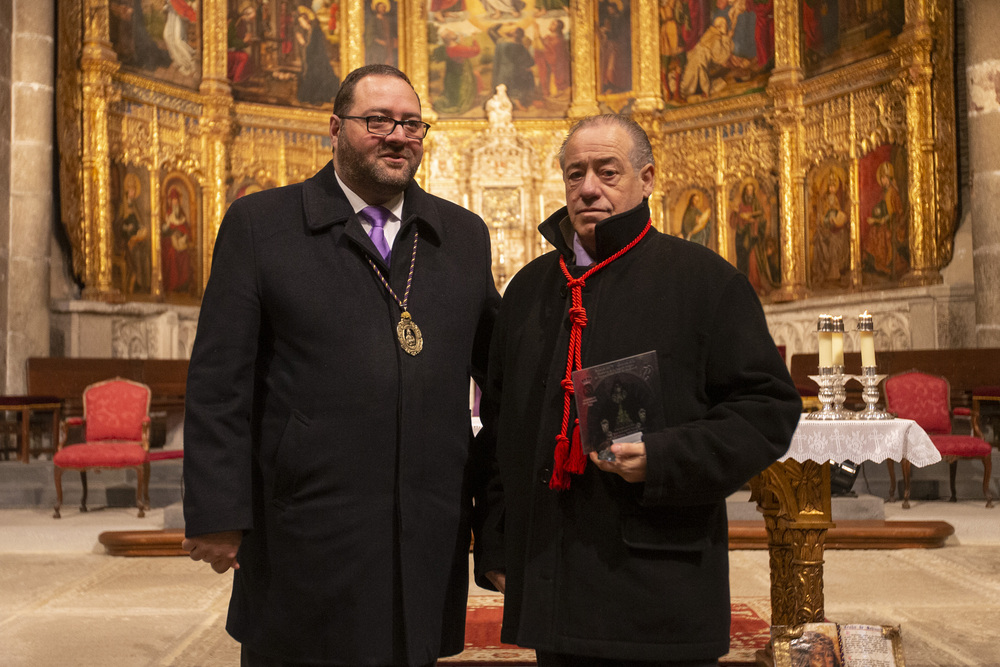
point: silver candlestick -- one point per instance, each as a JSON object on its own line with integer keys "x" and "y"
{"x": 832, "y": 394}
{"x": 870, "y": 380}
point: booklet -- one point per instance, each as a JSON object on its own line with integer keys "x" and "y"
{"x": 837, "y": 645}
{"x": 617, "y": 402}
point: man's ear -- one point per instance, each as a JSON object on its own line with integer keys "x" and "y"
{"x": 648, "y": 176}
{"x": 335, "y": 126}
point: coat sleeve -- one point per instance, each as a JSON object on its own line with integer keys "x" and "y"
{"x": 488, "y": 517}
{"x": 753, "y": 409}
{"x": 220, "y": 387}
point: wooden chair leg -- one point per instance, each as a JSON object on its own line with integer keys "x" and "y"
{"x": 145, "y": 477}
{"x": 83, "y": 481}
{"x": 907, "y": 467}
{"x": 58, "y": 475}
{"x": 952, "y": 470}
{"x": 139, "y": 497}
{"x": 892, "y": 480}
{"x": 987, "y": 473}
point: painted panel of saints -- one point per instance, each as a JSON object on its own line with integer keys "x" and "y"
{"x": 382, "y": 32}
{"x": 692, "y": 217}
{"x": 829, "y": 226}
{"x": 885, "y": 218}
{"x": 714, "y": 48}
{"x": 839, "y": 32}
{"x": 614, "y": 47}
{"x": 476, "y": 45}
{"x": 132, "y": 252}
{"x": 753, "y": 221}
{"x": 179, "y": 246}
{"x": 159, "y": 38}
{"x": 284, "y": 52}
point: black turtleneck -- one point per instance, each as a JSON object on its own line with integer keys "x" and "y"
{"x": 610, "y": 235}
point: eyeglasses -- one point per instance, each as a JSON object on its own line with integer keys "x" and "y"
{"x": 384, "y": 126}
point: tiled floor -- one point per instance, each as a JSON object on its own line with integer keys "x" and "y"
{"x": 62, "y": 602}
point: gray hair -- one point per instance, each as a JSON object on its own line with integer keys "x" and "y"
{"x": 641, "y": 152}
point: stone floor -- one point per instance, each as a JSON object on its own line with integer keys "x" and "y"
{"x": 63, "y": 602}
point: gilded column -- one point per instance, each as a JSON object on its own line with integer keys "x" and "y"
{"x": 216, "y": 124}
{"x": 584, "y": 73}
{"x": 646, "y": 42}
{"x": 352, "y": 35}
{"x": 416, "y": 64}
{"x": 785, "y": 90}
{"x": 915, "y": 50}
{"x": 97, "y": 65}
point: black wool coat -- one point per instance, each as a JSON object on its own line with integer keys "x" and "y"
{"x": 609, "y": 568}
{"x": 341, "y": 457}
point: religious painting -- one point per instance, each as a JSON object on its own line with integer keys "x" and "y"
{"x": 692, "y": 217}
{"x": 180, "y": 206}
{"x": 885, "y": 218}
{"x": 714, "y": 48}
{"x": 614, "y": 49}
{"x": 245, "y": 187}
{"x": 132, "y": 254}
{"x": 840, "y": 32}
{"x": 382, "y": 32}
{"x": 284, "y": 52}
{"x": 828, "y": 228}
{"x": 753, "y": 223}
{"x": 158, "y": 38}
{"x": 522, "y": 45}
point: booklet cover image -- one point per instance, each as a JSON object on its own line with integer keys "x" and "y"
{"x": 617, "y": 402}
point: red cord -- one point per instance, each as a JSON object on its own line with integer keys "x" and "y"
{"x": 569, "y": 457}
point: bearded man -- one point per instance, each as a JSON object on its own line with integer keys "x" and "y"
{"x": 327, "y": 426}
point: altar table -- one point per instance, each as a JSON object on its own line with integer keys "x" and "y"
{"x": 793, "y": 494}
{"x": 25, "y": 405}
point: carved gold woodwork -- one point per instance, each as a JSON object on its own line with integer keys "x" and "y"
{"x": 773, "y": 137}
{"x": 795, "y": 501}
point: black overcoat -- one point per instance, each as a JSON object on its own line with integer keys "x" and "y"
{"x": 341, "y": 456}
{"x": 608, "y": 568}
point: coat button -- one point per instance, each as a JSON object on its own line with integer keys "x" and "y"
{"x": 545, "y": 476}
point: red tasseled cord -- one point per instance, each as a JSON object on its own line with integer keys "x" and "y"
{"x": 569, "y": 457}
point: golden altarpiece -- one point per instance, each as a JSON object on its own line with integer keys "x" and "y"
{"x": 809, "y": 142}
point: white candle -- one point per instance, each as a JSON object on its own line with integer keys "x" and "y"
{"x": 868, "y": 348}
{"x": 866, "y": 333}
{"x": 837, "y": 341}
{"x": 825, "y": 336}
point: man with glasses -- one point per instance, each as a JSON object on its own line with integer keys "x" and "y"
{"x": 327, "y": 428}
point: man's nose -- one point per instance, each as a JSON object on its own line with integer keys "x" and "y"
{"x": 397, "y": 135}
{"x": 591, "y": 185}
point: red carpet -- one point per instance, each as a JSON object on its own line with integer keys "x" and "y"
{"x": 749, "y": 633}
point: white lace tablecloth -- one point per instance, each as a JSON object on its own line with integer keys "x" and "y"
{"x": 862, "y": 440}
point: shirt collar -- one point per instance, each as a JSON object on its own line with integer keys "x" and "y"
{"x": 395, "y": 205}
{"x": 583, "y": 258}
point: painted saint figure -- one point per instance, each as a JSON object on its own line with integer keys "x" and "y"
{"x": 831, "y": 244}
{"x": 694, "y": 222}
{"x": 176, "y": 246}
{"x": 887, "y": 250}
{"x": 553, "y": 60}
{"x": 180, "y": 14}
{"x": 750, "y": 226}
{"x": 318, "y": 84}
{"x": 132, "y": 237}
{"x": 461, "y": 86}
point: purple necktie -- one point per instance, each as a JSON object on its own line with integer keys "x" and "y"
{"x": 377, "y": 216}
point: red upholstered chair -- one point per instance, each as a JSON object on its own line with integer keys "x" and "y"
{"x": 116, "y": 427}
{"x": 926, "y": 399}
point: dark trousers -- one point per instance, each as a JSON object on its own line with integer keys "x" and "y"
{"x": 250, "y": 658}
{"x": 546, "y": 659}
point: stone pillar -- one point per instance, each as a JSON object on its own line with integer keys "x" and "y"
{"x": 982, "y": 25}
{"x": 26, "y": 117}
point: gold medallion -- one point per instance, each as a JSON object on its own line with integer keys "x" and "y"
{"x": 409, "y": 335}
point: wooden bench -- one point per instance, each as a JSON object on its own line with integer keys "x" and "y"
{"x": 966, "y": 369}
{"x": 67, "y": 377}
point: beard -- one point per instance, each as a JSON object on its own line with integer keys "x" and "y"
{"x": 359, "y": 167}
